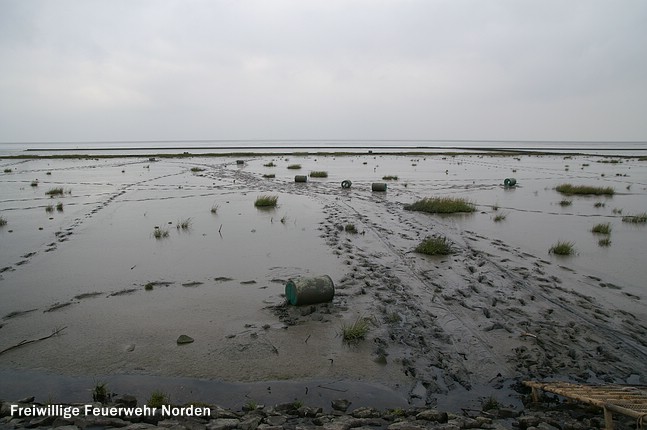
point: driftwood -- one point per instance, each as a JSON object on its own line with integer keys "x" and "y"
{"x": 26, "y": 342}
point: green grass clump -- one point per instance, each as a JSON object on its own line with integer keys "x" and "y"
{"x": 604, "y": 242}
{"x": 34, "y": 183}
{"x": 350, "y": 228}
{"x": 636, "y": 219}
{"x": 565, "y": 203}
{"x": 441, "y": 205}
{"x": 570, "y": 189}
{"x": 266, "y": 201}
{"x": 500, "y": 217}
{"x": 7, "y": 170}
{"x": 490, "y": 403}
{"x": 353, "y": 333}
{"x": 214, "y": 208}
{"x": 158, "y": 399}
{"x": 197, "y": 169}
{"x": 603, "y": 228}
{"x": 269, "y": 176}
{"x": 160, "y": 233}
{"x": 294, "y": 166}
{"x": 3, "y": 221}
{"x": 184, "y": 224}
{"x": 434, "y": 246}
{"x": 610, "y": 161}
{"x": 59, "y": 206}
{"x": 318, "y": 174}
{"x": 49, "y": 208}
{"x": 58, "y": 191}
{"x": 599, "y": 205}
{"x": 562, "y": 248}
{"x": 270, "y": 164}
{"x": 389, "y": 178}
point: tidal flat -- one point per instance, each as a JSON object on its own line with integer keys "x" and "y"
{"x": 499, "y": 309}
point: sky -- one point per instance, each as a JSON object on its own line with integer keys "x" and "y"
{"x": 90, "y": 70}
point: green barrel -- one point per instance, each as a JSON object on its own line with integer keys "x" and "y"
{"x": 346, "y": 184}
{"x": 378, "y": 186}
{"x": 510, "y": 182}
{"x": 308, "y": 291}
{"x": 300, "y": 178}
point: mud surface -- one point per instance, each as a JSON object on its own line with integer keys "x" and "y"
{"x": 499, "y": 309}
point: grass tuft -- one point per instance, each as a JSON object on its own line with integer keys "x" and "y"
{"x": 100, "y": 393}
{"x": 158, "y": 399}
{"x": 584, "y": 190}
{"x": 318, "y": 174}
{"x": 214, "y": 208}
{"x": 500, "y": 217}
{"x": 434, "y": 246}
{"x": 3, "y": 221}
{"x": 562, "y": 248}
{"x": 270, "y": 164}
{"x": 602, "y": 228}
{"x": 266, "y": 201}
{"x": 294, "y": 166}
{"x": 599, "y": 205}
{"x": 7, "y": 170}
{"x": 441, "y": 205}
{"x": 269, "y": 176}
{"x": 389, "y": 178}
{"x": 565, "y": 202}
{"x": 636, "y": 219}
{"x": 184, "y": 224}
{"x": 34, "y": 183}
{"x": 58, "y": 191}
{"x": 350, "y": 228}
{"x": 160, "y": 233}
{"x": 197, "y": 169}
{"x": 353, "y": 333}
{"x": 59, "y": 206}
{"x": 604, "y": 242}
{"x": 49, "y": 208}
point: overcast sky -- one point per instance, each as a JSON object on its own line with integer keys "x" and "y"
{"x": 323, "y": 69}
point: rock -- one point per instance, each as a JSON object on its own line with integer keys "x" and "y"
{"x": 405, "y": 425}
{"x": 5, "y": 409}
{"x": 137, "y": 426}
{"x": 222, "y": 424}
{"x": 126, "y": 400}
{"x": 40, "y": 422}
{"x": 528, "y": 421}
{"x": 69, "y": 427}
{"x": 27, "y": 400}
{"x": 219, "y": 412}
{"x": 168, "y": 423}
{"x": 340, "y": 405}
{"x": 275, "y": 420}
{"x": 507, "y": 413}
{"x": 308, "y": 412}
{"x": 432, "y": 415}
{"x": 250, "y": 423}
{"x": 97, "y": 422}
{"x": 184, "y": 339}
{"x": 366, "y": 413}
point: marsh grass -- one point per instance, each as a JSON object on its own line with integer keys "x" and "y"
{"x": 184, "y": 224}
{"x": 500, "y": 217}
{"x": 599, "y": 205}
{"x": 58, "y": 191}
{"x": 350, "y": 228}
{"x": 602, "y": 228}
{"x": 355, "y": 332}
{"x": 160, "y": 233}
{"x": 434, "y": 246}
{"x": 490, "y": 403}
{"x": 636, "y": 219}
{"x": 270, "y": 164}
{"x": 613, "y": 161}
{"x": 197, "y": 169}
{"x": 158, "y": 399}
{"x": 3, "y": 221}
{"x": 100, "y": 393}
{"x": 59, "y": 206}
{"x": 604, "y": 242}
{"x": 49, "y": 208}
{"x": 266, "y": 201}
{"x": 564, "y": 203}
{"x": 269, "y": 176}
{"x": 584, "y": 190}
{"x": 7, "y": 170}
{"x": 34, "y": 183}
{"x": 389, "y": 178}
{"x": 562, "y": 248}
{"x": 214, "y": 208}
{"x": 318, "y": 174}
{"x": 294, "y": 166}
{"x": 441, "y": 205}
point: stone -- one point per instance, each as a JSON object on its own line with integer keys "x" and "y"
{"x": 126, "y": 400}
{"x": 340, "y": 405}
{"x": 528, "y": 421}
{"x": 308, "y": 412}
{"x": 275, "y": 420}
{"x": 184, "y": 339}
{"x": 250, "y": 423}
{"x": 27, "y": 400}
{"x": 432, "y": 415}
{"x": 405, "y": 425}
{"x": 222, "y": 424}
{"x": 366, "y": 413}
{"x": 507, "y": 413}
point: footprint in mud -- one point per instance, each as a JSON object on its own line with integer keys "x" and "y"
{"x": 192, "y": 284}
{"x": 122, "y": 292}
{"x": 15, "y": 314}
{"x": 87, "y": 295}
{"x": 222, "y": 279}
{"x": 57, "y": 306}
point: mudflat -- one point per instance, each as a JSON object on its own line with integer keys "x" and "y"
{"x": 140, "y": 252}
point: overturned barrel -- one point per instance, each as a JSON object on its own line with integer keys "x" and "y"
{"x": 300, "y": 178}
{"x": 510, "y": 182}
{"x": 378, "y": 186}
{"x": 346, "y": 184}
{"x": 308, "y": 291}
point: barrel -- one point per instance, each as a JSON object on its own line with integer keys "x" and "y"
{"x": 346, "y": 184}
{"x": 309, "y": 290}
{"x": 239, "y": 162}
{"x": 510, "y": 182}
{"x": 300, "y": 178}
{"x": 378, "y": 186}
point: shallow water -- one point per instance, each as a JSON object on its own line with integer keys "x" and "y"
{"x": 220, "y": 280}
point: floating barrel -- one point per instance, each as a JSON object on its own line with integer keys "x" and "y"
{"x": 346, "y": 184}
{"x": 510, "y": 182}
{"x": 378, "y": 186}
{"x": 240, "y": 162}
{"x": 301, "y": 178}
{"x": 308, "y": 291}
